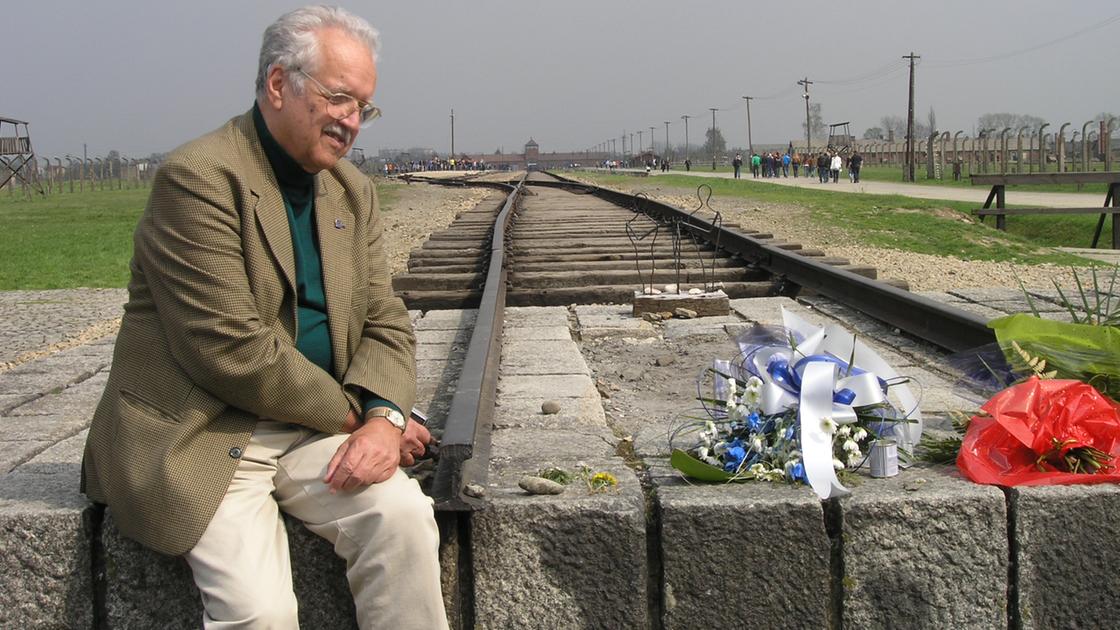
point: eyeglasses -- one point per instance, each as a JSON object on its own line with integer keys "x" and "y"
{"x": 341, "y": 105}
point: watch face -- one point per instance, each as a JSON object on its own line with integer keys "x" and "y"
{"x": 396, "y": 418}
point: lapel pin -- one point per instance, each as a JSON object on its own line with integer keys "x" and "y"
{"x": 338, "y": 224}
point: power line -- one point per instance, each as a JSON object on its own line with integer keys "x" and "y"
{"x": 952, "y": 63}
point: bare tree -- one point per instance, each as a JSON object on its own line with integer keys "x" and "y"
{"x": 931, "y": 119}
{"x": 817, "y": 120}
{"x": 874, "y": 133}
{"x": 1001, "y": 120}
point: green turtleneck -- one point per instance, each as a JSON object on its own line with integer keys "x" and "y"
{"x": 297, "y": 187}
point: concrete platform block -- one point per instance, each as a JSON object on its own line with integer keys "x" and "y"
{"x": 701, "y": 326}
{"x": 925, "y": 549}
{"x": 447, "y": 320}
{"x": 988, "y": 294}
{"x": 536, "y": 316}
{"x": 1068, "y": 555}
{"x": 457, "y": 336}
{"x": 45, "y": 551}
{"x": 546, "y": 387}
{"x": 536, "y": 333}
{"x": 753, "y": 552}
{"x": 574, "y": 560}
{"x": 542, "y": 357}
{"x": 548, "y": 446}
{"x": 768, "y": 310}
{"x": 599, "y": 321}
{"x": 526, "y": 413}
{"x": 440, "y": 352}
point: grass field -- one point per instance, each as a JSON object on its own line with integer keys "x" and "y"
{"x": 904, "y": 223}
{"x": 81, "y": 239}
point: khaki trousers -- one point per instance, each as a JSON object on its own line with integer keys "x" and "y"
{"x": 386, "y": 532}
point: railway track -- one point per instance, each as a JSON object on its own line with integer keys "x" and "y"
{"x": 567, "y": 246}
{"x": 554, "y": 241}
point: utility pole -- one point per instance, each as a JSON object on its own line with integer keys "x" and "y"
{"x": 714, "y": 110}
{"x": 666, "y": 138}
{"x": 651, "y": 142}
{"x": 452, "y": 132}
{"x": 640, "y": 142}
{"x": 808, "y": 124}
{"x": 624, "y": 143}
{"x": 750, "y": 142}
{"x": 685, "y": 118}
{"x": 909, "y": 173}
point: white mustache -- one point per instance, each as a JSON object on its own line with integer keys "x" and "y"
{"x": 339, "y": 130}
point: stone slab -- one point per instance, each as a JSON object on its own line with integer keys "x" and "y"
{"x": 983, "y": 295}
{"x": 144, "y": 589}
{"x": 542, "y": 357}
{"x": 440, "y": 352}
{"x": 456, "y": 336}
{"x": 536, "y": 333}
{"x": 754, "y": 552}
{"x": 574, "y": 560}
{"x": 768, "y": 310}
{"x": 983, "y": 310}
{"x": 534, "y": 316}
{"x": 548, "y": 446}
{"x": 701, "y": 326}
{"x": 1068, "y": 555}
{"x": 14, "y": 451}
{"x": 924, "y": 549}
{"x": 45, "y": 550}
{"x": 78, "y": 399}
{"x": 64, "y": 457}
{"x": 546, "y": 387}
{"x": 447, "y": 320}
{"x": 937, "y": 392}
{"x": 526, "y": 413}
{"x": 598, "y": 321}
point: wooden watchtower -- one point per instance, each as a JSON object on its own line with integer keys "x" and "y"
{"x": 17, "y": 158}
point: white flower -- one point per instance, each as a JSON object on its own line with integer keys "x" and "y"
{"x": 845, "y": 431}
{"x": 860, "y": 435}
{"x": 828, "y": 425}
{"x": 754, "y": 383}
{"x": 756, "y": 445}
{"x": 752, "y": 397}
{"x": 731, "y": 388}
{"x": 851, "y": 446}
{"x": 854, "y": 460}
{"x": 837, "y": 464}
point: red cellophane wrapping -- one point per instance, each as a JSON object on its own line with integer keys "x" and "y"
{"x": 1003, "y": 448}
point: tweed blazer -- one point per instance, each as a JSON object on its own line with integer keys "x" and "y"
{"x": 207, "y": 344}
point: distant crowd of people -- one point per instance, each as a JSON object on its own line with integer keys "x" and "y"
{"x": 827, "y": 165}
{"x": 434, "y": 164}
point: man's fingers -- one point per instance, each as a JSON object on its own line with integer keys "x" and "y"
{"x": 332, "y": 466}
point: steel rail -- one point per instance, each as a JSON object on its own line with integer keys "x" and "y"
{"x": 945, "y": 326}
{"x": 464, "y": 451}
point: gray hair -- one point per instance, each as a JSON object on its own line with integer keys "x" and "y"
{"x": 291, "y": 42}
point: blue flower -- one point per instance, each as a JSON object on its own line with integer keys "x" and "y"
{"x": 797, "y": 471}
{"x": 789, "y": 433}
{"x": 754, "y": 421}
{"x": 733, "y": 457}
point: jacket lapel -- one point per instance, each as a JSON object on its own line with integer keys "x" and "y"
{"x": 336, "y": 231}
{"x": 269, "y": 211}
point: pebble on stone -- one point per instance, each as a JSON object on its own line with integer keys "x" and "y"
{"x": 665, "y": 360}
{"x": 550, "y": 407}
{"x": 684, "y": 313}
{"x": 474, "y": 490}
{"x": 651, "y": 317}
{"x": 539, "y": 485}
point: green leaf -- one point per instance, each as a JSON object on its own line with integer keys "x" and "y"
{"x": 697, "y": 469}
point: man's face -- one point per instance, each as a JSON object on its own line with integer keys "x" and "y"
{"x": 304, "y": 127}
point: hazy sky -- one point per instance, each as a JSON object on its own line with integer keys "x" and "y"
{"x": 145, "y": 76}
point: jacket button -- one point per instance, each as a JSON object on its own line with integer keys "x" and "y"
{"x": 235, "y": 452}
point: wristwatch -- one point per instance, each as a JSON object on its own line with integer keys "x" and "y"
{"x": 394, "y": 417}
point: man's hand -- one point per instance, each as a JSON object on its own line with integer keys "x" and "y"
{"x": 413, "y": 442}
{"x": 370, "y": 455}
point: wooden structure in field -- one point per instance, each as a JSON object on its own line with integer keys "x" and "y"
{"x": 17, "y": 159}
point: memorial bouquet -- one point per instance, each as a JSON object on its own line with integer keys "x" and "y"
{"x": 1051, "y": 417}
{"x": 798, "y": 405}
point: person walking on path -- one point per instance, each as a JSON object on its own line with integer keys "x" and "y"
{"x": 756, "y": 165}
{"x": 687, "y": 164}
{"x": 822, "y": 167}
{"x": 785, "y": 165}
{"x": 836, "y": 166}
{"x": 854, "y": 166}
{"x": 796, "y": 165}
{"x": 263, "y": 362}
{"x": 737, "y": 163}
